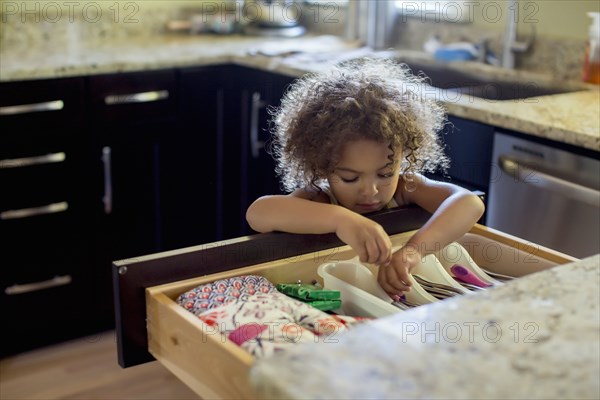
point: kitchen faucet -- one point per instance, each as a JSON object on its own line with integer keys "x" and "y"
{"x": 510, "y": 45}
{"x": 371, "y": 22}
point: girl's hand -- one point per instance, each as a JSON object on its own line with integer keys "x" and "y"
{"x": 368, "y": 239}
{"x": 394, "y": 278}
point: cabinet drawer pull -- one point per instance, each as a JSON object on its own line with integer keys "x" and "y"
{"x": 35, "y": 286}
{"x": 143, "y": 97}
{"x": 106, "y": 163}
{"x": 28, "y": 161}
{"x": 55, "y": 105}
{"x": 30, "y": 212}
{"x": 255, "y": 144}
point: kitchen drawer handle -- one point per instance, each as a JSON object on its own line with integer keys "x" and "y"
{"x": 35, "y": 286}
{"x": 28, "y": 161}
{"x": 107, "y": 163}
{"x": 567, "y": 189}
{"x": 55, "y": 105}
{"x": 33, "y": 211}
{"x": 142, "y": 97}
{"x": 255, "y": 144}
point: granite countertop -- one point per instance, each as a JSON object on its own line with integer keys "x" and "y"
{"x": 535, "y": 337}
{"x": 571, "y": 118}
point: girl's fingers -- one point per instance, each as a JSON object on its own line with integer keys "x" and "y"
{"x": 385, "y": 247}
{"x": 391, "y": 282}
{"x": 404, "y": 276}
{"x": 362, "y": 253}
{"x": 383, "y": 281}
{"x": 372, "y": 250}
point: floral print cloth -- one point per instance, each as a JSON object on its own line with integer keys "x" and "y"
{"x": 250, "y": 312}
{"x": 223, "y": 291}
{"x": 266, "y": 323}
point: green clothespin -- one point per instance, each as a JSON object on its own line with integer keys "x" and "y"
{"x": 307, "y": 292}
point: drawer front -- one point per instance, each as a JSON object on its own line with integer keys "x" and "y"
{"x": 37, "y": 106}
{"x": 40, "y": 247}
{"x": 35, "y": 185}
{"x": 41, "y": 312}
{"x": 131, "y": 97}
{"x": 37, "y": 172}
{"x": 42, "y": 209}
{"x": 178, "y": 339}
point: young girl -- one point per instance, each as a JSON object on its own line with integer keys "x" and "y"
{"x": 354, "y": 141}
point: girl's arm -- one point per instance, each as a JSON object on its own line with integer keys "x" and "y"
{"x": 307, "y": 212}
{"x": 299, "y": 212}
{"x": 454, "y": 211}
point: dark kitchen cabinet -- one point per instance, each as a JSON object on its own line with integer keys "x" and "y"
{"x": 190, "y": 182}
{"x": 44, "y": 230}
{"x": 130, "y": 113}
{"x": 259, "y": 91}
{"x": 106, "y": 167}
{"x": 468, "y": 144}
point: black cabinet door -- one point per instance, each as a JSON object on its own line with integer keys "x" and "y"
{"x": 259, "y": 91}
{"x": 469, "y": 146}
{"x": 189, "y": 177}
{"x": 126, "y": 188}
{"x": 130, "y": 113}
{"x": 44, "y": 221}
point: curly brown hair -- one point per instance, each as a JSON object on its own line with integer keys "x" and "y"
{"x": 373, "y": 99}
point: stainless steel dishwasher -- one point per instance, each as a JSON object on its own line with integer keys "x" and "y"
{"x": 545, "y": 195}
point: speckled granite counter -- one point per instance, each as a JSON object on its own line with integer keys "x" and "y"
{"x": 536, "y": 337}
{"x": 153, "y": 52}
{"x": 571, "y": 118}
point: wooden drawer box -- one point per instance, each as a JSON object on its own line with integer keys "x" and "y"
{"x": 214, "y": 367}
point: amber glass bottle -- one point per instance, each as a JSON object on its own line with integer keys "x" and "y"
{"x": 591, "y": 65}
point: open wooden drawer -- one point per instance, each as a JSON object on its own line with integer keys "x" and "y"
{"x": 214, "y": 367}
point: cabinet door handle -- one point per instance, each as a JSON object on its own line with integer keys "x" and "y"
{"x": 55, "y": 105}
{"x": 142, "y": 97}
{"x": 567, "y": 189}
{"x": 255, "y": 144}
{"x": 107, "y": 199}
{"x": 28, "y": 161}
{"x": 33, "y": 211}
{"x": 35, "y": 286}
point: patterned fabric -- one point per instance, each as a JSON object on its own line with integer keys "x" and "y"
{"x": 263, "y": 324}
{"x": 215, "y": 294}
{"x": 250, "y": 312}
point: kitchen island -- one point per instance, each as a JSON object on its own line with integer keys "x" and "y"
{"x": 570, "y": 118}
{"x": 536, "y": 337}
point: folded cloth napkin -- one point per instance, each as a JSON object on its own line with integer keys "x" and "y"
{"x": 249, "y": 311}
{"x": 266, "y": 323}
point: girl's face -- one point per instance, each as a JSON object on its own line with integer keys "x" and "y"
{"x": 364, "y": 180}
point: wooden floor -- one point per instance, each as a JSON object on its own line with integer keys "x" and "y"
{"x": 86, "y": 368}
